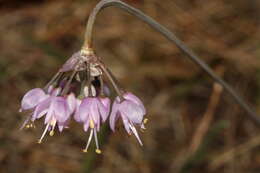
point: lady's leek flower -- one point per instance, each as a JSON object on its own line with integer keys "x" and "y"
{"x": 79, "y": 90}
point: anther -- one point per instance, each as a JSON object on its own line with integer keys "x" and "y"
{"x": 85, "y": 151}
{"x": 98, "y": 151}
{"x": 51, "y": 133}
{"x": 145, "y": 121}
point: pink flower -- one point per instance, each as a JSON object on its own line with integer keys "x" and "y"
{"x": 56, "y": 109}
{"x": 131, "y": 110}
{"x": 80, "y": 89}
{"x": 91, "y": 111}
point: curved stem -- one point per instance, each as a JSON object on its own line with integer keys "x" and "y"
{"x": 171, "y": 37}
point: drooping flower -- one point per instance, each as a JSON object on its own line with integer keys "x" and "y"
{"x": 30, "y": 101}
{"x": 91, "y": 112}
{"x": 131, "y": 110}
{"x": 80, "y": 89}
{"x": 57, "y": 110}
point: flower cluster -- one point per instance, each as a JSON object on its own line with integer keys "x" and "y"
{"x": 80, "y": 91}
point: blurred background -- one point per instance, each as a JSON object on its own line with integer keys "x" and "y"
{"x": 194, "y": 126}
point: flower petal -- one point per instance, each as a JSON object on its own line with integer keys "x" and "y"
{"x": 32, "y": 98}
{"x": 136, "y": 100}
{"x": 63, "y": 125}
{"x": 61, "y": 109}
{"x": 41, "y": 109}
{"x": 114, "y": 116}
{"x": 50, "y": 112}
{"x": 94, "y": 113}
{"x": 132, "y": 111}
{"x": 76, "y": 115}
{"x": 84, "y": 109}
{"x": 72, "y": 103}
{"x": 104, "y": 108}
{"x": 126, "y": 124}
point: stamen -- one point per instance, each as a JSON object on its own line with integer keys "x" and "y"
{"x": 53, "y": 124}
{"x": 89, "y": 140}
{"x": 51, "y": 133}
{"x": 136, "y": 134}
{"x": 44, "y": 132}
{"x": 98, "y": 151}
{"x": 24, "y": 125}
{"x": 142, "y": 129}
{"x": 30, "y": 125}
{"x": 145, "y": 121}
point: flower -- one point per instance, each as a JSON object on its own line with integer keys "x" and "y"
{"x": 57, "y": 110}
{"x": 91, "y": 111}
{"x": 131, "y": 110}
{"x": 80, "y": 89}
